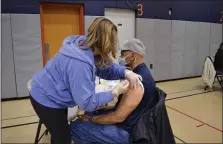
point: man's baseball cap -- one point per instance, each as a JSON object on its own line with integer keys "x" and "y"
{"x": 134, "y": 45}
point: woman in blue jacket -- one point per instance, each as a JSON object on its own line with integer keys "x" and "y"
{"x": 68, "y": 79}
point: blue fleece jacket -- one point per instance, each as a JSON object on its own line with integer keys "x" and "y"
{"x": 68, "y": 79}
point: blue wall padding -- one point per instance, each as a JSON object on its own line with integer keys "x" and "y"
{"x": 187, "y": 10}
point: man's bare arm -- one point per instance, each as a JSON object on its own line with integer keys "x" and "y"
{"x": 106, "y": 107}
{"x": 129, "y": 102}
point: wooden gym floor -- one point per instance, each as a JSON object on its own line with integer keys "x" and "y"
{"x": 195, "y": 114}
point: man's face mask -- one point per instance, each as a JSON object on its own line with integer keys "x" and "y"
{"x": 123, "y": 61}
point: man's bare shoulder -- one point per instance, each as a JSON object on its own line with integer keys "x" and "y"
{"x": 134, "y": 94}
{"x": 136, "y": 91}
{"x": 129, "y": 102}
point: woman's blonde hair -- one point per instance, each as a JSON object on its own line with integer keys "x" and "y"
{"x": 102, "y": 39}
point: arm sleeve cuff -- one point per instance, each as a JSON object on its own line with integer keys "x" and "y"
{"x": 122, "y": 72}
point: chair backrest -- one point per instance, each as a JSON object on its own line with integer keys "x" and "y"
{"x": 212, "y": 59}
{"x": 72, "y": 113}
{"x": 154, "y": 126}
{"x": 29, "y": 84}
{"x": 163, "y": 128}
{"x": 209, "y": 72}
{"x": 208, "y": 58}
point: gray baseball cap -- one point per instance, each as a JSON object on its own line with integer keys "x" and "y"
{"x": 134, "y": 45}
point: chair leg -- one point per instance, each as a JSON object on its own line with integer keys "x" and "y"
{"x": 205, "y": 88}
{"x": 221, "y": 78}
{"x": 220, "y": 82}
{"x": 46, "y": 132}
{"x": 38, "y": 132}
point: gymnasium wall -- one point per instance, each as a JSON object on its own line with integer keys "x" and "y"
{"x": 176, "y": 44}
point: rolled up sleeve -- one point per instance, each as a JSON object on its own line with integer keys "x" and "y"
{"x": 114, "y": 72}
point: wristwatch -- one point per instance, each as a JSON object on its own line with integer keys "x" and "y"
{"x": 92, "y": 119}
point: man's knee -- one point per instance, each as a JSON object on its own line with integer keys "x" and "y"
{"x": 74, "y": 126}
{"x": 79, "y": 131}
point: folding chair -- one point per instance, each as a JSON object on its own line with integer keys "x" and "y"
{"x": 72, "y": 113}
{"x": 219, "y": 75}
{"x": 37, "y": 138}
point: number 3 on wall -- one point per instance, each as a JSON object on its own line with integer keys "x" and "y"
{"x": 140, "y": 9}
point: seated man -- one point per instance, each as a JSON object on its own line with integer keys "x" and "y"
{"x": 114, "y": 125}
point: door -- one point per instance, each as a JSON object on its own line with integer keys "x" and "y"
{"x": 59, "y": 21}
{"x": 124, "y": 19}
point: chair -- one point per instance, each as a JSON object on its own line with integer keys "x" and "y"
{"x": 218, "y": 75}
{"x": 72, "y": 113}
{"x": 153, "y": 127}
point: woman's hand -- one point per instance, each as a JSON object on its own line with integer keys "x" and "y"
{"x": 85, "y": 118}
{"x": 133, "y": 78}
{"x": 121, "y": 88}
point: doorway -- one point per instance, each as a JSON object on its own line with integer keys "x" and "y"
{"x": 59, "y": 21}
{"x": 124, "y": 19}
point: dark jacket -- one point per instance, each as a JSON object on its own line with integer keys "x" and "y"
{"x": 218, "y": 60}
{"x": 154, "y": 126}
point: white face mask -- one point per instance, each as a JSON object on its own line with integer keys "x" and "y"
{"x": 122, "y": 61}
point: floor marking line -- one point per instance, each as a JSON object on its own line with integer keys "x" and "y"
{"x": 194, "y": 118}
{"x": 184, "y": 91}
{"x": 19, "y": 125}
{"x": 200, "y": 125}
{"x": 190, "y": 95}
{"x": 18, "y": 117}
{"x": 180, "y": 139}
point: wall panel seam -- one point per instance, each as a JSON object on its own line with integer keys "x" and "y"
{"x": 171, "y": 31}
{"x": 184, "y": 47}
{"x": 13, "y": 55}
{"x": 210, "y": 41}
{"x": 197, "y": 52}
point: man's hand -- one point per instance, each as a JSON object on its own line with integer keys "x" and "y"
{"x": 85, "y": 118}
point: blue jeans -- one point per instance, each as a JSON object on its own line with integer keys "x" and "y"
{"x": 87, "y": 132}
